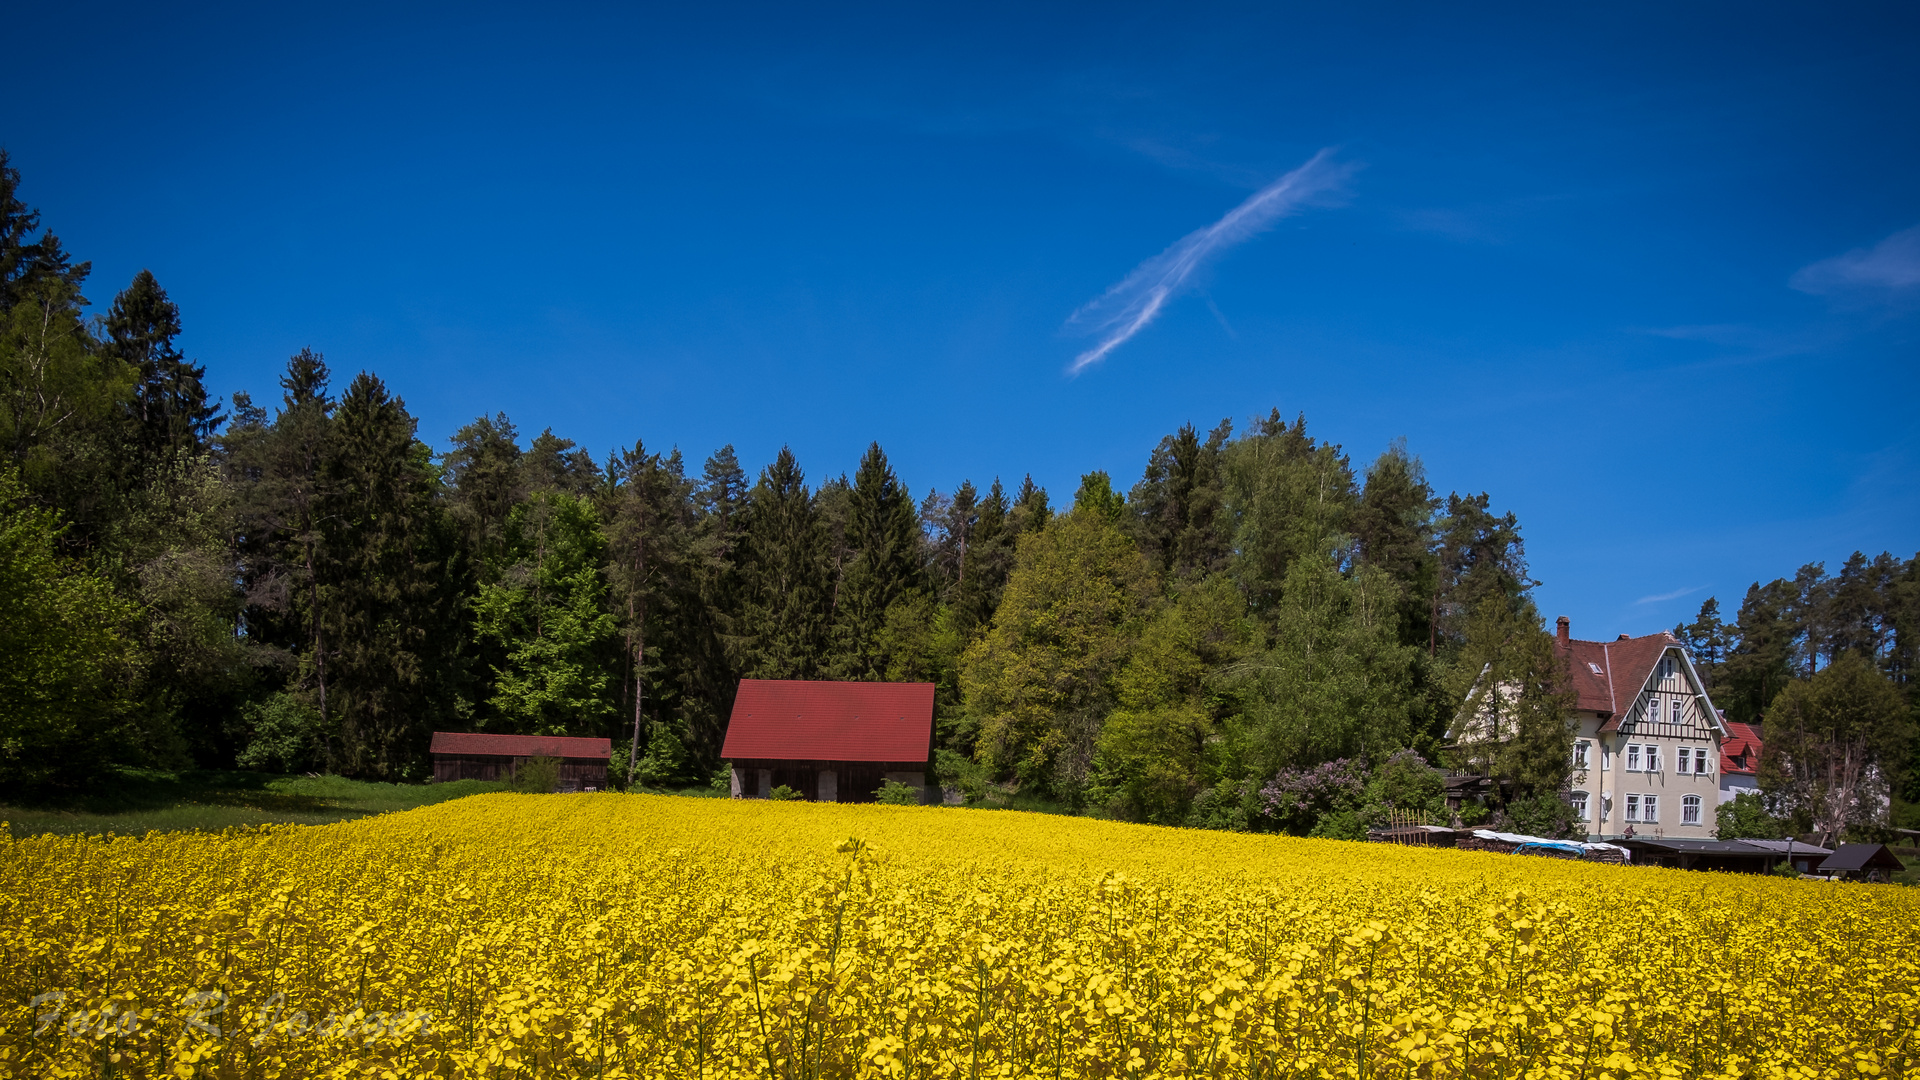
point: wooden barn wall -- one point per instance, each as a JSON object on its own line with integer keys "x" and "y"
{"x": 575, "y": 773}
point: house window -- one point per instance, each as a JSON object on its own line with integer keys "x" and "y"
{"x": 1653, "y": 758}
{"x": 1700, "y": 762}
{"x": 1579, "y": 801}
{"x": 1690, "y": 810}
{"x": 1684, "y": 764}
{"x": 1653, "y": 710}
{"x": 1633, "y": 757}
{"x": 1650, "y": 808}
{"x": 1581, "y": 751}
{"x": 1633, "y": 808}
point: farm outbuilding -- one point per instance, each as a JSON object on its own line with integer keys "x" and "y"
{"x": 465, "y": 755}
{"x": 829, "y": 741}
{"x": 1860, "y": 862}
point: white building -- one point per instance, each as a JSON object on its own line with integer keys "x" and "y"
{"x": 1648, "y": 744}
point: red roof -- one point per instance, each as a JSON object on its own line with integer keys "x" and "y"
{"x": 1741, "y": 745}
{"x": 1607, "y": 675}
{"x": 831, "y": 721}
{"x": 559, "y": 746}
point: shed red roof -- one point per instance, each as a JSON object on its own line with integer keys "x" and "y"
{"x": 1740, "y": 750}
{"x": 831, "y": 721}
{"x": 560, "y": 746}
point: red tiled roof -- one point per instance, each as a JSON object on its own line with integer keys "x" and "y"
{"x": 1607, "y": 675}
{"x": 560, "y": 746}
{"x": 1743, "y": 743}
{"x": 831, "y": 721}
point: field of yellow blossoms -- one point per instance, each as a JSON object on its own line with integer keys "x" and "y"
{"x": 630, "y": 935}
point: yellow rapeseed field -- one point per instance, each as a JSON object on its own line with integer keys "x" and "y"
{"x": 628, "y": 936}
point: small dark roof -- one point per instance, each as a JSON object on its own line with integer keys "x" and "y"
{"x": 1697, "y": 847}
{"x": 1860, "y": 857}
{"x": 793, "y": 720}
{"x": 473, "y": 743}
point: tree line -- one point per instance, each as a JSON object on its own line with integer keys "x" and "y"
{"x": 1824, "y": 666}
{"x": 1258, "y": 633}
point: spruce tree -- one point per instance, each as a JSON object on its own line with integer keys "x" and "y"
{"x": 1177, "y": 506}
{"x": 391, "y": 582}
{"x": 31, "y": 268}
{"x": 783, "y": 622}
{"x": 1479, "y": 556}
{"x": 650, "y": 544}
{"x": 170, "y": 408}
{"x": 883, "y": 537}
{"x": 984, "y": 564}
{"x": 1393, "y": 531}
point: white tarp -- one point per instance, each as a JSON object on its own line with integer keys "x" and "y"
{"x": 1522, "y": 838}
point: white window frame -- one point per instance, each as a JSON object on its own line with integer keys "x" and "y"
{"x": 1633, "y": 810}
{"x": 1582, "y": 754}
{"x": 1653, "y": 710}
{"x": 1683, "y": 761}
{"x": 1690, "y": 810}
{"x": 1580, "y": 805}
{"x": 1650, "y": 809}
{"x": 1651, "y": 760}
{"x": 1702, "y": 763}
{"x": 1633, "y": 757}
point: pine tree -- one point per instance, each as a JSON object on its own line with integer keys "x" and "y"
{"x": 487, "y": 475}
{"x": 170, "y": 406}
{"x": 1706, "y": 639}
{"x": 556, "y": 464}
{"x": 1761, "y": 661}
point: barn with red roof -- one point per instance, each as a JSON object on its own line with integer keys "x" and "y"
{"x": 471, "y": 755}
{"x": 829, "y": 741}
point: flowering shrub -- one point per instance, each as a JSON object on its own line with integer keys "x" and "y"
{"x": 1296, "y": 799}
{"x": 642, "y": 936}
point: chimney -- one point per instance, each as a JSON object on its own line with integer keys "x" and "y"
{"x": 1564, "y": 626}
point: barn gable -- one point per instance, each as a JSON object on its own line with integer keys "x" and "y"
{"x": 830, "y": 741}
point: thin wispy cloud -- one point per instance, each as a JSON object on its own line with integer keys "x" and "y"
{"x": 1127, "y": 308}
{"x": 1664, "y": 597}
{"x": 1892, "y": 265}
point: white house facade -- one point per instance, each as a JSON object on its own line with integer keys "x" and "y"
{"x": 1647, "y": 756}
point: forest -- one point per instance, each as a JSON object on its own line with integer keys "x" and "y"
{"x": 1259, "y": 632}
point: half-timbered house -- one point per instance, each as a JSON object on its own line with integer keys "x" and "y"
{"x": 1646, "y": 737}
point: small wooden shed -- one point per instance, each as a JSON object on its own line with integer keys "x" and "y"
{"x": 1860, "y": 862}
{"x": 468, "y": 755}
{"x": 830, "y": 741}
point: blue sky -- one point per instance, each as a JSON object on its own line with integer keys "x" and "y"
{"x": 1645, "y": 274}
